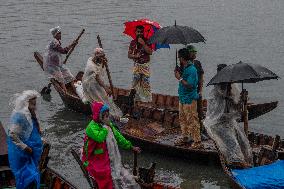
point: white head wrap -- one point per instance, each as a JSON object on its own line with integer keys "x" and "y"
{"x": 20, "y": 102}
{"x": 99, "y": 52}
{"x": 55, "y": 31}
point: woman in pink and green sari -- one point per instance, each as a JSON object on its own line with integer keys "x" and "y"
{"x": 101, "y": 156}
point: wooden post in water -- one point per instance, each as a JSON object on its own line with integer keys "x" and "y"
{"x": 107, "y": 68}
{"x": 245, "y": 113}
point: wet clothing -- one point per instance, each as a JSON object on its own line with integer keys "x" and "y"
{"x": 188, "y": 116}
{"x": 189, "y": 122}
{"x": 141, "y": 72}
{"x": 93, "y": 91}
{"x": 200, "y": 72}
{"x": 137, "y": 48}
{"x": 222, "y": 127}
{"x": 102, "y": 159}
{"x": 23, "y": 132}
{"x": 53, "y": 64}
{"x": 186, "y": 95}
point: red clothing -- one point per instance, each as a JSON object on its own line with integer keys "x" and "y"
{"x": 98, "y": 165}
{"x": 137, "y": 48}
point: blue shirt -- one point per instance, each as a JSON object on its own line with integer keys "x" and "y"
{"x": 186, "y": 95}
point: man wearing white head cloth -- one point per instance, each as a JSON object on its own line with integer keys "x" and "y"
{"x": 94, "y": 87}
{"x": 24, "y": 140}
{"x": 53, "y": 64}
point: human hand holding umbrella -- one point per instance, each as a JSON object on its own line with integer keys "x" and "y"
{"x": 242, "y": 73}
{"x": 176, "y": 34}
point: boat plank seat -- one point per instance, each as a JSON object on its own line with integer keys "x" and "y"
{"x": 169, "y": 101}
{"x": 160, "y": 100}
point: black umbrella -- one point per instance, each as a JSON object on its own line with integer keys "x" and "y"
{"x": 176, "y": 35}
{"x": 242, "y": 73}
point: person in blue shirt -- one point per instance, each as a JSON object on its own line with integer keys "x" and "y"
{"x": 188, "y": 96}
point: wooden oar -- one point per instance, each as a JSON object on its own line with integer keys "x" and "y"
{"x": 85, "y": 172}
{"x": 107, "y": 69}
{"x": 135, "y": 167}
{"x": 44, "y": 157}
{"x": 71, "y": 50}
{"x": 39, "y": 60}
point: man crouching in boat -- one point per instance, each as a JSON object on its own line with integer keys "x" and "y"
{"x": 53, "y": 65}
{"x": 24, "y": 141}
{"x": 101, "y": 156}
{"x": 94, "y": 87}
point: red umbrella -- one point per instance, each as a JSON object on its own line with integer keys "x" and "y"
{"x": 149, "y": 27}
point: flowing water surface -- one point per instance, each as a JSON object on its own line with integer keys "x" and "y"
{"x": 251, "y": 31}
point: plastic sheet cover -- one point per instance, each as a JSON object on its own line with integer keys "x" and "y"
{"x": 222, "y": 127}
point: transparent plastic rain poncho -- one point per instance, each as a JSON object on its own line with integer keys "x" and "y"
{"x": 93, "y": 91}
{"x": 121, "y": 177}
{"x": 222, "y": 127}
{"x": 53, "y": 64}
{"x": 24, "y": 132}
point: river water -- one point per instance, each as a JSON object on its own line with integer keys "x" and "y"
{"x": 251, "y": 31}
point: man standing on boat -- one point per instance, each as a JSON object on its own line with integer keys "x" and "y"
{"x": 200, "y": 72}
{"x": 139, "y": 51}
{"x": 94, "y": 87}
{"x": 188, "y": 96}
{"x": 101, "y": 155}
{"x": 53, "y": 64}
{"x": 24, "y": 141}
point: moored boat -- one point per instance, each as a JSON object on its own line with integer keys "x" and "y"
{"x": 267, "y": 170}
{"x": 49, "y": 178}
{"x": 159, "y": 101}
{"x": 155, "y": 126}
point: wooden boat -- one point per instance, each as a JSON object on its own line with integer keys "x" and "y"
{"x": 263, "y": 155}
{"x": 155, "y": 125}
{"x": 50, "y": 178}
{"x": 144, "y": 176}
{"x": 159, "y": 102}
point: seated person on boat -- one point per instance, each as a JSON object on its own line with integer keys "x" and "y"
{"x": 78, "y": 85}
{"x": 94, "y": 87}
{"x": 24, "y": 140}
{"x": 53, "y": 64}
{"x": 101, "y": 155}
{"x": 222, "y": 126}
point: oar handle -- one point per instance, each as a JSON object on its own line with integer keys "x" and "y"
{"x": 73, "y": 47}
{"x": 135, "y": 163}
{"x": 85, "y": 172}
{"x": 107, "y": 68}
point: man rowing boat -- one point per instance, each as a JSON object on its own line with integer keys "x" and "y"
{"x": 53, "y": 64}
{"x": 94, "y": 87}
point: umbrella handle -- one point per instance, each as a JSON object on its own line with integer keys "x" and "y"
{"x": 176, "y": 58}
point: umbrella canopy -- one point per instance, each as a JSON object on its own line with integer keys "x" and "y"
{"x": 242, "y": 73}
{"x": 149, "y": 27}
{"x": 176, "y": 35}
